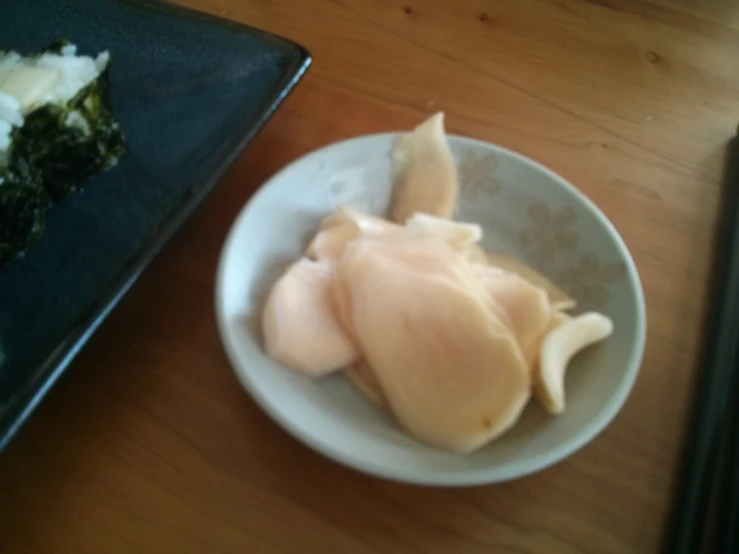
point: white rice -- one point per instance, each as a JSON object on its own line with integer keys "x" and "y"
{"x": 75, "y": 73}
{"x": 8, "y": 60}
{"x": 5, "y": 129}
{"x": 10, "y": 116}
{"x": 66, "y": 75}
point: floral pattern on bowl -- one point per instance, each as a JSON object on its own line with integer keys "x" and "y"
{"x": 477, "y": 174}
{"x": 550, "y": 230}
{"x": 589, "y": 280}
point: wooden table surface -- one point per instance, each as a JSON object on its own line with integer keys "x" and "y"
{"x": 149, "y": 445}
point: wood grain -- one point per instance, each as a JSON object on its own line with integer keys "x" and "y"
{"x": 149, "y": 444}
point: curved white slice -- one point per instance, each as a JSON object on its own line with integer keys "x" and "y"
{"x": 300, "y": 326}
{"x": 558, "y": 348}
{"x": 457, "y": 234}
{"x": 424, "y": 172}
{"x": 451, "y": 372}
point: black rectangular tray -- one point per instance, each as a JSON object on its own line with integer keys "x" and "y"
{"x": 190, "y": 92}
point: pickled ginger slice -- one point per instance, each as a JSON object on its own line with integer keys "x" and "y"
{"x": 450, "y": 370}
{"x": 424, "y": 172}
{"x": 368, "y": 223}
{"x": 300, "y": 325}
{"x": 329, "y": 244}
{"x": 527, "y": 307}
{"x": 558, "y": 348}
{"x": 428, "y": 253}
{"x": 340, "y": 228}
{"x": 461, "y": 235}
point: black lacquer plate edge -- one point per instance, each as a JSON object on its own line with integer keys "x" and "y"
{"x": 46, "y": 375}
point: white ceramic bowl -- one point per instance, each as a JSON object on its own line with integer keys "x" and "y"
{"x": 524, "y": 209}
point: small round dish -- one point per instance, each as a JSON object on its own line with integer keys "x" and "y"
{"x": 526, "y": 210}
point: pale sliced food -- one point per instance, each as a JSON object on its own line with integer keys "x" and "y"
{"x": 557, "y": 350}
{"x": 343, "y": 226}
{"x": 300, "y": 325}
{"x": 475, "y": 253}
{"x": 424, "y": 172}
{"x": 368, "y": 223}
{"x": 329, "y": 243}
{"x": 558, "y": 319}
{"x": 527, "y": 306}
{"x": 460, "y": 235}
{"x": 432, "y": 254}
{"x": 449, "y": 369}
{"x": 346, "y": 224}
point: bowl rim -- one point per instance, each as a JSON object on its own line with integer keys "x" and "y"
{"x": 416, "y": 476}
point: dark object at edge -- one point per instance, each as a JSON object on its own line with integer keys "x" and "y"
{"x": 121, "y": 223}
{"x": 718, "y": 373}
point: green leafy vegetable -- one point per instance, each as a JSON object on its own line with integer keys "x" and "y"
{"x": 56, "y": 151}
{"x": 23, "y": 205}
{"x": 71, "y": 143}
